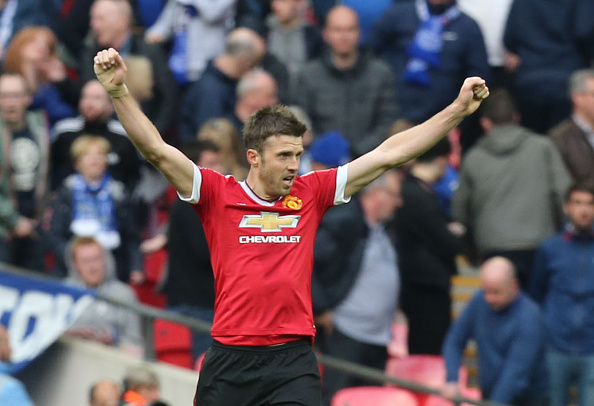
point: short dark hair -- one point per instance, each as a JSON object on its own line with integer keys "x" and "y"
{"x": 441, "y": 149}
{"x": 270, "y": 121}
{"x": 499, "y": 107}
{"x": 587, "y": 187}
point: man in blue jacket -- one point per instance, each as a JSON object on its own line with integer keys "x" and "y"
{"x": 426, "y": 71}
{"x": 562, "y": 282}
{"x": 509, "y": 334}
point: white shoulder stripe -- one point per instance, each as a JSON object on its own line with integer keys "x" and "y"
{"x": 342, "y": 175}
{"x": 195, "y": 196}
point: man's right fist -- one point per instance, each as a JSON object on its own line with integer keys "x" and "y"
{"x": 110, "y": 70}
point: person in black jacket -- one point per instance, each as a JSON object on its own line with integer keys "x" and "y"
{"x": 427, "y": 248}
{"x": 95, "y": 118}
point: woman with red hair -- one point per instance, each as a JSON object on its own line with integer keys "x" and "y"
{"x": 33, "y": 53}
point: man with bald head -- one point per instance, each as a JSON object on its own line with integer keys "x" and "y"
{"x": 111, "y": 26}
{"x": 509, "y": 333}
{"x": 214, "y": 94}
{"x": 347, "y": 89}
{"x": 105, "y": 393}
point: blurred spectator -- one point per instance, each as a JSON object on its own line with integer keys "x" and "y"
{"x": 18, "y": 14}
{"x": 427, "y": 247}
{"x": 183, "y": 21}
{"x": 111, "y": 26}
{"x": 90, "y": 266}
{"x": 574, "y": 137}
{"x": 511, "y": 187}
{"x": 356, "y": 281}
{"x": 189, "y": 285}
{"x": 347, "y": 89}
{"x": 562, "y": 283}
{"x": 95, "y": 118}
{"x": 141, "y": 387}
{"x": 33, "y": 53}
{"x": 428, "y": 72}
{"x": 256, "y": 89}
{"x": 213, "y": 95}
{"x": 24, "y": 152}
{"x": 290, "y": 38}
{"x": 491, "y": 16}
{"x": 224, "y": 134}
{"x": 509, "y": 333}
{"x": 104, "y": 393}
{"x": 544, "y": 38}
{"x": 12, "y": 391}
{"x": 91, "y": 203}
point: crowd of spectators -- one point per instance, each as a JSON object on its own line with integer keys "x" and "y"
{"x": 72, "y": 183}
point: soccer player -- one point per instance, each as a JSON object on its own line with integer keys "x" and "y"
{"x": 261, "y": 234}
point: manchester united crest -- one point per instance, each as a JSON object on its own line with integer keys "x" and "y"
{"x": 292, "y": 202}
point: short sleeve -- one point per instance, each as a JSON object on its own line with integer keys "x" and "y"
{"x": 341, "y": 181}
{"x": 196, "y": 184}
{"x": 329, "y": 185}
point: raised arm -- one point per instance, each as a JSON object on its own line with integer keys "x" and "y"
{"x": 411, "y": 143}
{"x": 172, "y": 163}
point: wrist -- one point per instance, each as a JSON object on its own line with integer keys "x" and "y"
{"x": 117, "y": 92}
{"x": 457, "y": 111}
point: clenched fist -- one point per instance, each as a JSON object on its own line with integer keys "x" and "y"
{"x": 110, "y": 70}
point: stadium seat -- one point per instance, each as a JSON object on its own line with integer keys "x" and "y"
{"x": 173, "y": 343}
{"x": 374, "y": 396}
{"x": 427, "y": 370}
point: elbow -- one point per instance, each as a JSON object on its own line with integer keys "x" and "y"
{"x": 154, "y": 154}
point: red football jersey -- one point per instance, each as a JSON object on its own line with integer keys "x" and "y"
{"x": 262, "y": 253}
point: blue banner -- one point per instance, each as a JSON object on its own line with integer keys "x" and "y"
{"x": 37, "y": 312}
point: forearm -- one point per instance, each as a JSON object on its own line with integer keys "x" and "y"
{"x": 141, "y": 131}
{"x": 409, "y": 144}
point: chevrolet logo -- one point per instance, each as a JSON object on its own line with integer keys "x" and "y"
{"x": 267, "y": 221}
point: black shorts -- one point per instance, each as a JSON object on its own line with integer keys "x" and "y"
{"x": 287, "y": 374}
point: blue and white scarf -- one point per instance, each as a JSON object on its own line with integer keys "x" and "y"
{"x": 425, "y": 50}
{"x": 93, "y": 212}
